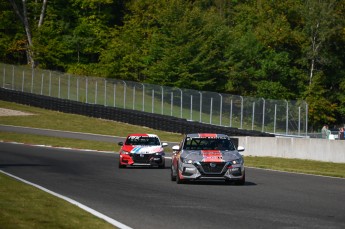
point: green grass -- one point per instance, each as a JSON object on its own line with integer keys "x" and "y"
{"x": 297, "y": 165}
{"x": 70, "y": 122}
{"x": 23, "y": 206}
{"x": 58, "y": 142}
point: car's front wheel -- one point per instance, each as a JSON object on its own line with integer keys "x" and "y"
{"x": 162, "y": 166}
{"x": 242, "y": 181}
{"x": 121, "y": 166}
{"x": 178, "y": 179}
{"x": 172, "y": 177}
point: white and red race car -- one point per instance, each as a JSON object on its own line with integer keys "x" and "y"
{"x": 142, "y": 150}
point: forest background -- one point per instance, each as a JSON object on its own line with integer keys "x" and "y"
{"x": 274, "y": 49}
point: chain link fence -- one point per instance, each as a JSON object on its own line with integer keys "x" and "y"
{"x": 281, "y": 117}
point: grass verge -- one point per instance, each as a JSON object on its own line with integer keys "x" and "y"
{"x": 24, "y": 206}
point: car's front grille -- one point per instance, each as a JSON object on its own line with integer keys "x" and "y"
{"x": 212, "y": 167}
{"x": 141, "y": 158}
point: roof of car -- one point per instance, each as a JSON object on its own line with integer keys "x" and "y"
{"x": 142, "y": 135}
{"x": 206, "y": 135}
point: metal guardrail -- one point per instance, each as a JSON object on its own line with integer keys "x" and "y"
{"x": 259, "y": 114}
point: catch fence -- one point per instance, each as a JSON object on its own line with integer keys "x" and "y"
{"x": 281, "y": 117}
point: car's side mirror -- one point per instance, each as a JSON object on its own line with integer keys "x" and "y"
{"x": 164, "y": 144}
{"x": 240, "y": 148}
{"x": 120, "y": 143}
{"x": 176, "y": 148}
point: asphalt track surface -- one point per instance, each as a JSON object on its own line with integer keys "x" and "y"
{"x": 146, "y": 198}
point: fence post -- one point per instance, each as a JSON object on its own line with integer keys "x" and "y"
{"x": 211, "y": 110}
{"x": 220, "y": 109}
{"x": 32, "y": 80}
{"x": 143, "y": 97}
{"x": 181, "y": 102}
{"x": 275, "y": 118}
{"x": 105, "y": 92}
{"x": 306, "y": 119}
{"x": 86, "y": 86}
{"x": 4, "y": 78}
{"x": 42, "y": 78}
{"x": 171, "y": 104}
{"x": 299, "y": 121}
{"x": 287, "y": 117}
{"x": 124, "y": 94}
{"x": 114, "y": 94}
{"x": 96, "y": 91}
{"x": 50, "y": 83}
{"x": 78, "y": 89}
{"x": 263, "y": 114}
{"x": 230, "y": 124}
{"x": 162, "y": 106}
{"x": 153, "y": 100}
{"x": 23, "y": 80}
{"x": 253, "y": 115}
{"x": 59, "y": 87}
{"x": 133, "y": 97}
{"x": 241, "y": 125}
{"x": 200, "y": 106}
{"x": 12, "y": 77}
{"x": 69, "y": 86}
{"x": 191, "y": 107}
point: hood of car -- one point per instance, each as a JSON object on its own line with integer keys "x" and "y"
{"x": 142, "y": 149}
{"x": 210, "y": 155}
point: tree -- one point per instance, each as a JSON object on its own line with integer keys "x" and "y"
{"x": 22, "y": 13}
{"x": 319, "y": 27}
{"x": 173, "y": 43}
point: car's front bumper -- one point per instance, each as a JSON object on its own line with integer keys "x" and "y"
{"x": 223, "y": 171}
{"x": 142, "y": 159}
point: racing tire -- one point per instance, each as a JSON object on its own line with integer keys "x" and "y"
{"x": 172, "y": 177}
{"x": 242, "y": 181}
{"x": 178, "y": 180}
{"x": 121, "y": 166}
{"x": 228, "y": 182}
{"x": 162, "y": 166}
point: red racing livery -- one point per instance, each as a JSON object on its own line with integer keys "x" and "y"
{"x": 207, "y": 156}
{"x": 143, "y": 150}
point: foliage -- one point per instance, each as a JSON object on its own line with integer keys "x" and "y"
{"x": 271, "y": 49}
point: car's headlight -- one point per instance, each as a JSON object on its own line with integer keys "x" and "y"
{"x": 237, "y": 161}
{"x": 186, "y": 160}
{"x": 124, "y": 152}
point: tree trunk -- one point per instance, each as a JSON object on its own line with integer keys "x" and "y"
{"x": 43, "y": 10}
{"x": 23, "y": 16}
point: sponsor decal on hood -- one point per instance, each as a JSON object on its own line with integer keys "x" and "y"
{"x": 143, "y": 149}
{"x": 212, "y": 156}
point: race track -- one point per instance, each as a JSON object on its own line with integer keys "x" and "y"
{"x": 146, "y": 198}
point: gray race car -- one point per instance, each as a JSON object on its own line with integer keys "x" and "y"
{"x": 207, "y": 156}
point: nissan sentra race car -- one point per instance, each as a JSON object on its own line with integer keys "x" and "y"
{"x": 207, "y": 156}
{"x": 142, "y": 149}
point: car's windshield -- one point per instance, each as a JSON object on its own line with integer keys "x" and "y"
{"x": 208, "y": 144}
{"x": 142, "y": 140}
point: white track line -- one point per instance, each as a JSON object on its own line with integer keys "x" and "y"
{"x": 90, "y": 210}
